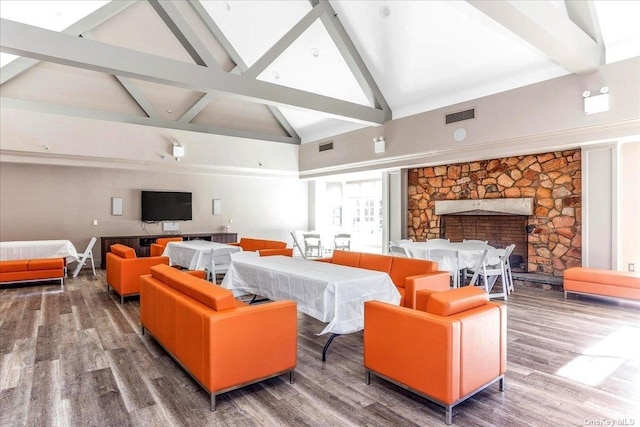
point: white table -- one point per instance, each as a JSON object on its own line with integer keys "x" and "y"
{"x": 327, "y": 292}
{"x": 196, "y": 254}
{"x": 34, "y": 249}
{"x": 468, "y": 253}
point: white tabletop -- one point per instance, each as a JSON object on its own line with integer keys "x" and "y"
{"x": 33, "y": 249}
{"x": 468, "y": 253}
{"x": 196, "y": 254}
{"x": 328, "y": 292}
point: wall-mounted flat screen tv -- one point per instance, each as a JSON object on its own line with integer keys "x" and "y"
{"x": 166, "y": 206}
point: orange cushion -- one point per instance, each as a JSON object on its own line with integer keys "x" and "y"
{"x": 603, "y": 277}
{"x": 350, "y": 259}
{"x": 46, "y": 264}
{"x": 14, "y": 265}
{"x": 457, "y": 300}
{"x": 375, "y": 262}
{"x": 200, "y": 290}
{"x": 123, "y": 251}
{"x": 401, "y": 268}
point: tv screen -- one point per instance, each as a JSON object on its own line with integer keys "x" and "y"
{"x": 166, "y": 206}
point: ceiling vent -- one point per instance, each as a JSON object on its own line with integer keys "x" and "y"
{"x": 460, "y": 116}
{"x": 326, "y": 146}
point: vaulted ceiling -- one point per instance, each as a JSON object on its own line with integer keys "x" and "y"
{"x": 293, "y": 71}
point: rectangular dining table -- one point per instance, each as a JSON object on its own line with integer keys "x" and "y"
{"x": 327, "y": 292}
{"x": 197, "y": 255}
{"x": 33, "y": 249}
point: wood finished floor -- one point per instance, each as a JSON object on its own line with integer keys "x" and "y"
{"x": 76, "y": 358}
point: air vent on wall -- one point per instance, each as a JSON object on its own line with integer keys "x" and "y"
{"x": 326, "y": 146}
{"x": 460, "y": 116}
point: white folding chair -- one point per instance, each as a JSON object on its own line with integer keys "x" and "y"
{"x": 220, "y": 260}
{"x": 342, "y": 241}
{"x": 507, "y": 267}
{"x": 490, "y": 272}
{"x": 396, "y": 250}
{"x": 82, "y": 258}
{"x": 312, "y": 244}
{"x": 448, "y": 260}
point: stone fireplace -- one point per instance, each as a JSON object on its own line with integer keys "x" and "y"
{"x": 550, "y": 230}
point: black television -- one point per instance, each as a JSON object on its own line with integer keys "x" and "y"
{"x": 166, "y": 206}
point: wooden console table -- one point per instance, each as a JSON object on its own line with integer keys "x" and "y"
{"x": 142, "y": 244}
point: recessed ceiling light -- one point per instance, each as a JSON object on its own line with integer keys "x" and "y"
{"x": 227, "y": 5}
{"x": 275, "y": 75}
{"x": 315, "y": 52}
{"x": 169, "y": 110}
{"x": 385, "y": 11}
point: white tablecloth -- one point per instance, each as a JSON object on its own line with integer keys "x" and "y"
{"x": 34, "y": 249}
{"x": 328, "y": 292}
{"x": 196, "y": 254}
{"x": 468, "y": 253}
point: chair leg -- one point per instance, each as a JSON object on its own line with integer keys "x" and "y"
{"x": 93, "y": 266}
{"x": 448, "y": 415}
{"x": 213, "y": 402}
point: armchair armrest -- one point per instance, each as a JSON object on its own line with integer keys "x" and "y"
{"x": 252, "y": 342}
{"x": 156, "y": 249}
{"x": 129, "y": 271}
{"x": 415, "y": 348}
{"x": 436, "y": 281}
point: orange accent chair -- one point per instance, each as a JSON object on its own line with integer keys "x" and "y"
{"x": 124, "y": 269}
{"x": 447, "y": 353}
{"x": 223, "y": 343}
{"x": 157, "y": 248}
{"x": 410, "y": 275}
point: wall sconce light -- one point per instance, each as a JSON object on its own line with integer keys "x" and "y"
{"x": 378, "y": 145}
{"x": 597, "y": 103}
{"x": 178, "y": 151}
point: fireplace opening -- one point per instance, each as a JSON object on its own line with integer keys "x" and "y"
{"x": 498, "y": 230}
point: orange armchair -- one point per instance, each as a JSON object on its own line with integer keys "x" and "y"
{"x": 447, "y": 353}
{"x": 124, "y": 269}
{"x": 157, "y": 248}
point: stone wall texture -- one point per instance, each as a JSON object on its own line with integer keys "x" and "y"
{"x": 553, "y": 180}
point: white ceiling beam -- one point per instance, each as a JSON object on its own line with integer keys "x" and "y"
{"x": 285, "y": 41}
{"x": 585, "y": 16}
{"x": 86, "y": 113}
{"x": 545, "y": 27}
{"x": 46, "y": 45}
{"x": 353, "y": 59}
{"x": 183, "y": 32}
{"x": 241, "y": 66}
{"x": 88, "y": 23}
{"x": 133, "y": 91}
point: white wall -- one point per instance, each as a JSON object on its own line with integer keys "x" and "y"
{"x": 630, "y": 206}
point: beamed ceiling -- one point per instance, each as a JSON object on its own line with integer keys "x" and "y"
{"x": 293, "y": 71}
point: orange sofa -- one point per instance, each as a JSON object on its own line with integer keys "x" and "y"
{"x": 223, "y": 343}
{"x": 124, "y": 269}
{"x": 410, "y": 275}
{"x": 603, "y": 283}
{"x": 157, "y": 248}
{"x": 446, "y": 353}
{"x": 262, "y": 245}
{"x": 32, "y": 270}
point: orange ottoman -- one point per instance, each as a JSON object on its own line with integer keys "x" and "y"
{"x": 604, "y": 283}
